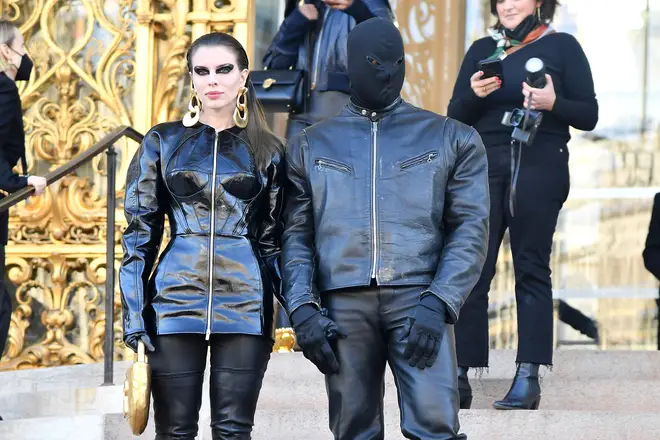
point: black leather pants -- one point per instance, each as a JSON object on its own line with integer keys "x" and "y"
{"x": 374, "y": 320}
{"x": 238, "y": 364}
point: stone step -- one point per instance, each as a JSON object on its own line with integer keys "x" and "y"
{"x": 310, "y": 424}
{"x": 575, "y": 365}
{"x": 288, "y": 394}
{"x": 291, "y": 382}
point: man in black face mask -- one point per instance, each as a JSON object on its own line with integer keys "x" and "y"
{"x": 386, "y": 228}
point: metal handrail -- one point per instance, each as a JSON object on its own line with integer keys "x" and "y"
{"x": 106, "y": 144}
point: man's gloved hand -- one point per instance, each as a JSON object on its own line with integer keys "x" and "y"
{"x": 425, "y": 330}
{"x": 131, "y": 341}
{"x": 314, "y": 333}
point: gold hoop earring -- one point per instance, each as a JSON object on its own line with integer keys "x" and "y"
{"x": 241, "y": 110}
{"x": 538, "y": 14}
{"x": 194, "y": 109}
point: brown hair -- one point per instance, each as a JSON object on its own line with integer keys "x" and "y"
{"x": 263, "y": 142}
{"x": 547, "y": 10}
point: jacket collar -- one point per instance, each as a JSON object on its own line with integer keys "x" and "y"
{"x": 374, "y": 115}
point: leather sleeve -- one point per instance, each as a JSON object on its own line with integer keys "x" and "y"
{"x": 283, "y": 50}
{"x": 298, "y": 252}
{"x": 467, "y": 208}
{"x": 9, "y": 101}
{"x": 270, "y": 236}
{"x": 144, "y": 210}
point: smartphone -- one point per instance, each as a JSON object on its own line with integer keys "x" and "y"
{"x": 492, "y": 68}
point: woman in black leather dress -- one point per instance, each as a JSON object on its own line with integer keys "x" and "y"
{"x": 217, "y": 170}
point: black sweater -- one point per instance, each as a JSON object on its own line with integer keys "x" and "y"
{"x": 566, "y": 63}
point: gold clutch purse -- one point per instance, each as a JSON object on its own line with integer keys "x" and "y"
{"x": 137, "y": 392}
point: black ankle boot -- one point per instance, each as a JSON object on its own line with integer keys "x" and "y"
{"x": 525, "y": 391}
{"x": 464, "y": 388}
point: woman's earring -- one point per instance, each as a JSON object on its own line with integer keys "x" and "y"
{"x": 241, "y": 110}
{"x": 194, "y": 109}
{"x": 538, "y": 14}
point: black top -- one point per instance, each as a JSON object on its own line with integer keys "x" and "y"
{"x": 566, "y": 63}
{"x": 12, "y": 144}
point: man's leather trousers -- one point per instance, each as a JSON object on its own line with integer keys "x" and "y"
{"x": 238, "y": 364}
{"x": 375, "y": 320}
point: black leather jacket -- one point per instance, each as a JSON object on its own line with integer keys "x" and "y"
{"x": 172, "y": 176}
{"x": 400, "y": 195}
{"x": 292, "y": 44}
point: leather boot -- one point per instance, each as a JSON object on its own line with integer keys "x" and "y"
{"x": 525, "y": 391}
{"x": 464, "y": 388}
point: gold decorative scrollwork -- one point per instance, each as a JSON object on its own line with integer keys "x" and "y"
{"x": 98, "y": 64}
{"x": 432, "y": 31}
{"x": 82, "y": 86}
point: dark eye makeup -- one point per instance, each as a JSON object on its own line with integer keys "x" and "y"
{"x": 224, "y": 68}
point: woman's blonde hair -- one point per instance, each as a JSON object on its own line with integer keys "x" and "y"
{"x": 7, "y": 35}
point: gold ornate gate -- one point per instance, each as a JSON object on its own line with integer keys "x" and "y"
{"x": 98, "y": 64}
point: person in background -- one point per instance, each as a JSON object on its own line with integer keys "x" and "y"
{"x": 322, "y": 25}
{"x": 651, "y": 252}
{"x": 568, "y": 100}
{"x": 15, "y": 65}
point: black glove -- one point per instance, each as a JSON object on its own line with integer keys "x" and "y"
{"x": 314, "y": 333}
{"x": 131, "y": 341}
{"x": 425, "y": 330}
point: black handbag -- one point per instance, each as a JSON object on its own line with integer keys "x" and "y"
{"x": 280, "y": 91}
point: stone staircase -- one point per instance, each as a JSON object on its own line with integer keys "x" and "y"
{"x": 600, "y": 395}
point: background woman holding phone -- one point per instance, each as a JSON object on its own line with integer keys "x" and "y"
{"x": 481, "y": 98}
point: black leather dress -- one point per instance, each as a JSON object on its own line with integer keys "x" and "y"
{"x": 208, "y": 186}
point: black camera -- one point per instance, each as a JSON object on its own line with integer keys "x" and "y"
{"x": 526, "y": 122}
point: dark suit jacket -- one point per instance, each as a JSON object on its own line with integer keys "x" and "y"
{"x": 12, "y": 145}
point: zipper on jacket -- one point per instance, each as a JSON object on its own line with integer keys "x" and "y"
{"x": 209, "y": 309}
{"x": 316, "y": 54}
{"x": 321, "y": 163}
{"x": 374, "y": 169}
{"x": 418, "y": 160}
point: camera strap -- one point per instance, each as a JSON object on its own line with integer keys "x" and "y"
{"x": 516, "y": 158}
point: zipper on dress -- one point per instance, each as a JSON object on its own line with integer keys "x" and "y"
{"x": 374, "y": 162}
{"x": 209, "y": 309}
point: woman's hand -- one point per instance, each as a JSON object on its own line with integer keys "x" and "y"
{"x": 309, "y": 11}
{"x": 484, "y": 87}
{"x": 38, "y": 182}
{"x": 542, "y": 99}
